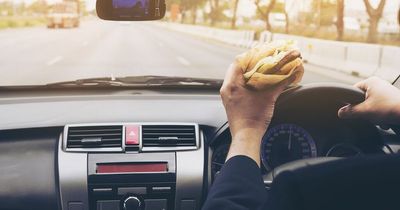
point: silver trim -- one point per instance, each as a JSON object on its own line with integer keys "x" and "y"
{"x": 189, "y": 175}
{"x": 116, "y": 149}
{"x": 124, "y": 134}
{"x": 123, "y": 147}
{"x": 93, "y": 159}
{"x": 72, "y": 176}
{"x": 181, "y": 148}
{"x": 132, "y": 197}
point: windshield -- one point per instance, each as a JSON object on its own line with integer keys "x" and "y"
{"x": 51, "y": 41}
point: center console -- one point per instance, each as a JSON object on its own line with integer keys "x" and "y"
{"x": 131, "y": 166}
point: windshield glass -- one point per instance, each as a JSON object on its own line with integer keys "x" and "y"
{"x": 49, "y": 41}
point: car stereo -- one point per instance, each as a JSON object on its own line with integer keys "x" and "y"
{"x": 131, "y": 166}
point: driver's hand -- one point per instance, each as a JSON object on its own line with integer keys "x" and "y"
{"x": 381, "y": 105}
{"x": 249, "y": 111}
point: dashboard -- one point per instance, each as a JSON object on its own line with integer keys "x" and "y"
{"x": 148, "y": 149}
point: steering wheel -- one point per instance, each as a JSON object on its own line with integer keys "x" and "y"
{"x": 317, "y": 92}
{"x": 334, "y": 95}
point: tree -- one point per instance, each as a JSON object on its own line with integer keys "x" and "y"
{"x": 186, "y": 6}
{"x": 194, "y": 14}
{"x": 38, "y": 7}
{"x": 287, "y": 25}
{"x": 216, "y": 11}
{"x": 374, "y": 16}
{"x": 324, "y": 12}
{"x": 398, "y": 16}
{"x": 265, "y": 11}
{"x": 235, "y": 8}
{"x": 340, "y": 21}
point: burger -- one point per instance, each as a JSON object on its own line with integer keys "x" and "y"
{"x": 271, "y": 63}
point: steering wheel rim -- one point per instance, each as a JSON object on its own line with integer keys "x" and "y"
{"x": 349, "y": 94}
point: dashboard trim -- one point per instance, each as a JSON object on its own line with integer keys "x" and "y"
{"x": 123, "y": 147}
{"x": 72, "y": 172}
{"x": 189, "y": 175}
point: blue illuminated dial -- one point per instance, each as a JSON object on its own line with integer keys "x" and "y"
{"x": 285, "y": 143}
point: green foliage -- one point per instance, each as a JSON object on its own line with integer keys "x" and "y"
{"x": 38, "y": 7}
{"x": 323, "y": 12}
{"x": 18, "y": 22}
{"x": 279, "y": 7}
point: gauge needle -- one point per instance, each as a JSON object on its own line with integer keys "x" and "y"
{"x": 290, "y": 139}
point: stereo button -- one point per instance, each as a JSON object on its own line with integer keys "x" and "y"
{"x": 102, "y": 191}
{"x": 155, "y": 204}
{"x": 132, "y": 190}
{"x": 161, "y": 189}
{"x": 108, "y": 205}
{"x": 132, "y": 134}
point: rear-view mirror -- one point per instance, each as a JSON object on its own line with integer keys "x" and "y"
{"x": 130, "y": 10}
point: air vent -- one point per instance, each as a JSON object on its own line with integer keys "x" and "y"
{"x": 168, "y": 135}
{"x": 94, "y": 137}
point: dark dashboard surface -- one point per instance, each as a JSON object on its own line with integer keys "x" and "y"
{"x": 28, "y": 176}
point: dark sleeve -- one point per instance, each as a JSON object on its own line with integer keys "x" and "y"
{"x": 238, "y": 186}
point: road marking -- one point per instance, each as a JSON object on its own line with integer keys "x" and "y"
{"x": 183, "y": 61}
{"x": 160, "y": 44}
{"x": 54, "y": 60}
{"x": 85, "y": 43}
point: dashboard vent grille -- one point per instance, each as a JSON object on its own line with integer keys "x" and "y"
{"x": 94, "y": 137}
{"x": 168, "y": 135}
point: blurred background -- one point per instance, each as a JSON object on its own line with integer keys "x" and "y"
{"x": 46, "y": 41}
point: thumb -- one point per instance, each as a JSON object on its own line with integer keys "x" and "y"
{"x": 351, "y": 111}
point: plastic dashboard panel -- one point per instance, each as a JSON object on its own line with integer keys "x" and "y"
{"x": 25, "y": 110}
{"x": 28, "y": 175}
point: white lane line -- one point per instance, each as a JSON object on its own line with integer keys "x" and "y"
{"x": 85, "y": 43}
{"x": 160, "y": 44}
{"x": 183, "y": 61}
{"x": 54, "y": 60}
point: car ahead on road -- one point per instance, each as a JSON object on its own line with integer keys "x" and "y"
{"x": 129, "y": 117}
{"x": 63, "y": 15}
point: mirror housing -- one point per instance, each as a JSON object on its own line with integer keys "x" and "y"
{"x": 130, "y": 10}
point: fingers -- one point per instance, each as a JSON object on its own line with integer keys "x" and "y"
{"x": 287, "y": 82}
{"x": 355, "y": 111}
{"x": 291, "y": 56}
{"x": 352, "y": 111}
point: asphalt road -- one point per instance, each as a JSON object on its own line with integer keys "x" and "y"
{"x": 103, "y": 49}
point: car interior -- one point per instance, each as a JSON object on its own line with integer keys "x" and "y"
{"x": 123, "y": 144}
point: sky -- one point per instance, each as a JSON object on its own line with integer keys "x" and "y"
{"x": 247, "y": 7}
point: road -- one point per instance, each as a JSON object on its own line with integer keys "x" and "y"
{"x": 38, "y": 55}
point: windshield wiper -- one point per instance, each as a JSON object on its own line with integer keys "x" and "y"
{"x": 139, "y": 82}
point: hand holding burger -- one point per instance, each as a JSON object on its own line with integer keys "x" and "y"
{"x": 251, "y": 87}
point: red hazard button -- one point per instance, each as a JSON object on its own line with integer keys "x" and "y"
{"x": 132, "y": 134}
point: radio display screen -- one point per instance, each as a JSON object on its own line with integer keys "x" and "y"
{"x": 106, "y": 168}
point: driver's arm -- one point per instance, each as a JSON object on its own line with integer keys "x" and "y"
{"x": 239, "y": 184}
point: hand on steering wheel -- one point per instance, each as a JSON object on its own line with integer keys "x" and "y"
{"x": 381, "y": 105}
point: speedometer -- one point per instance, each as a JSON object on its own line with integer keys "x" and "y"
{"x": 285, "y": 143}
